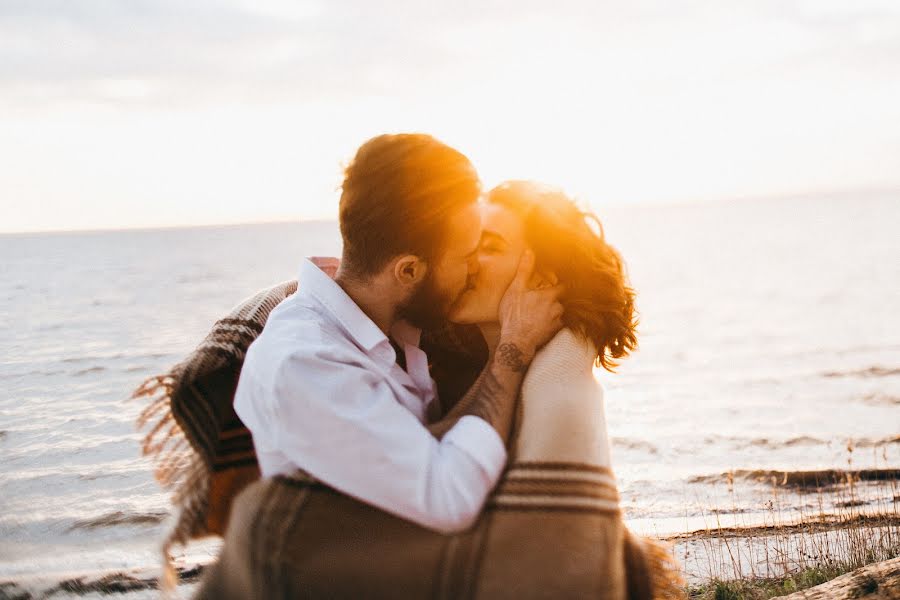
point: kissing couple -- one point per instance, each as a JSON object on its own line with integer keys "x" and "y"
{"x": 419, "y": 418}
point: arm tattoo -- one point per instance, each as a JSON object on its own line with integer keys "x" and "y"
{"x": 490, "y": 399}
{"x": 510, "y": 356}
{"x": 492, "y": 396}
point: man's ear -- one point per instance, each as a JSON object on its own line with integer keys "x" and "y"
{"x": 409, "y": 270}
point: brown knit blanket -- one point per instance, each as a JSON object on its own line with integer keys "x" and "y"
{"x": 204, "y": 455}
{"x": 538, "y": 537}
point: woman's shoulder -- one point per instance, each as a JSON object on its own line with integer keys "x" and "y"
{"x": 567, "y": 353}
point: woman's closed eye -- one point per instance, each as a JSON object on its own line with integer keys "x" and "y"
{"x": 491, "y": 248}
{"x": 492, "y": 243}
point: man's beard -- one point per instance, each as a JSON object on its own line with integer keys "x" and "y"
{"x": 428, "y": 306}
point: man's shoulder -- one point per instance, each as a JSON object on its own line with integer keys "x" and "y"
{"x": 294, "y": 311}
{"x": 301, "y": 331}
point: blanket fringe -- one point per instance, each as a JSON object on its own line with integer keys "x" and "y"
{"x": 665, "y": 573}
{"x": 181, "y": 459}
{"x": 177, "y": 467}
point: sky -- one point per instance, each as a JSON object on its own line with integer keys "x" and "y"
{"x": 141, "y": 113}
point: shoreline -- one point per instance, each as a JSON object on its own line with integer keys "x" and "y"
{"x": 825, "y": 524}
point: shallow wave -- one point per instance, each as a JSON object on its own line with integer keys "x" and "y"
{"x": 870, "y": 443}
{"x": 825, "y": 522}
{"x": 114, "y": 356}
{"x": 808, "y": 440}
{"x": 877, "y": 399}
{"x": 117, "y": 518}
{"x": 740, "y": 442}
{"x": 801, "y": 479}
{"x": 803, "y": 440}
{"x": 117, "y": 582}
{"x": 874, "y": 371}
{"x": 79, "y": 359}
{"x": 35, "y": 373}
{"x": 90, "y": 370}
{"x": 632, "y": 444}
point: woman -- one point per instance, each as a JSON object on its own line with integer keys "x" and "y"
{"x": 559, "y": 460}
{"x": 569, "y": 248}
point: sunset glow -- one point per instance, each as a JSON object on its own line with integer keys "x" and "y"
{"x": 251, "y": 120}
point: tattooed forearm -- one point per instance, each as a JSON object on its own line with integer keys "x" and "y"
{"x": 510, "y": 356}
{"x": 493, "y": 395}
{"x": 491, "y": 399}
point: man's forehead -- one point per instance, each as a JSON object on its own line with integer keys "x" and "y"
{"x": 466, "y": 229}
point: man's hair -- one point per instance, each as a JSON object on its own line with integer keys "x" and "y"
{"x": 398, "y": 192}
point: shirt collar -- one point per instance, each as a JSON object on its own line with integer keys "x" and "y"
{"x": 319, "y": 285}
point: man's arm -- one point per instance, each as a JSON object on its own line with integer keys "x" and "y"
{"x": 342, "y": 423}
{"x": 528, "y": 319}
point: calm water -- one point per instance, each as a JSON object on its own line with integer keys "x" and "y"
{"x": 769, "y": 339}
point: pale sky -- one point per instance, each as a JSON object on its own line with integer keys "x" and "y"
{"x": 127, "y": 113}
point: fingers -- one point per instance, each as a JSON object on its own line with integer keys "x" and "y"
{"x": 554, "y": 324}
{"x": 558, "y": 310}
{"x": 557, "y": 316}
{"x": 554, "y": 291}
{"x": 526, "y": 268}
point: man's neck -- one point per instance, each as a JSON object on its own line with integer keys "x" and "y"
{"x": 371, "y": 299}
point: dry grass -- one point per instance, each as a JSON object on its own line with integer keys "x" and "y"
{"x": 852, "y": 525}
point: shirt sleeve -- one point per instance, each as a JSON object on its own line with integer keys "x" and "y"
{"x": 343, "y": 424}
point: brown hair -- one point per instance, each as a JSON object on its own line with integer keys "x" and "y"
{"x": 598, "y": 302}
{"x": 397, "y": 194}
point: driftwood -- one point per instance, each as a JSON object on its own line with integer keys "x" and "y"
{"x": 879, "y": 581}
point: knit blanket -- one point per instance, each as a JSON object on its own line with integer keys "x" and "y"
{"x": 550, "y": 531}
{"x": 204, "y": 456}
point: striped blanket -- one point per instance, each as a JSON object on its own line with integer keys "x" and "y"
{"x": 294, "y": 538}
{"x": 293, "y": 531}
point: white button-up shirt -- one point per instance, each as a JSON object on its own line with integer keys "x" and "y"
{"x": 320, "y": 389}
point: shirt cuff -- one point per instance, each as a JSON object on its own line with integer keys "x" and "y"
{"x": 481, "y": 443}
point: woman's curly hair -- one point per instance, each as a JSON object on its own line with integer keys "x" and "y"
{"x": 598, "y": 302}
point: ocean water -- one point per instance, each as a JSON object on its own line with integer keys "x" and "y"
{"x": 770, "y": 343}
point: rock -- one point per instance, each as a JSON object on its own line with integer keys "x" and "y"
{"x": 878, "y": 581}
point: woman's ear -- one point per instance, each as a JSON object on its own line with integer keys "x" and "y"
{"x": 548, "y": 276}
{"x": 542, "y": 278}
{"x": 410, "y": 270}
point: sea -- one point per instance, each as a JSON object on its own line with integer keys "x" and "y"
{"x": 769, "y": 366}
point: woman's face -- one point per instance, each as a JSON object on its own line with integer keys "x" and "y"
{"x": 501, "y": 248}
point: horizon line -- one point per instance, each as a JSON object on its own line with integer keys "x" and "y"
{"x": 836, "y": 192}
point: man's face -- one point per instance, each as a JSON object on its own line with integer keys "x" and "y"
{"x": 451, "y": 272}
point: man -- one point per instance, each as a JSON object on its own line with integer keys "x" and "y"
{"x": 336, "y": 384}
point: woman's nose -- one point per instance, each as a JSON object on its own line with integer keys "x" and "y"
{"x": 474, "y": 264}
